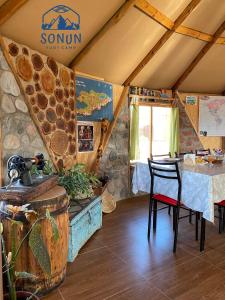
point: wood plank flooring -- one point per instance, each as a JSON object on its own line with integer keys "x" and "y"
{"x": 118, "y": 263}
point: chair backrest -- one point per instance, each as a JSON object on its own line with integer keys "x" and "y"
{"x": 181, "y": 154}
{"x": 165, "y": 170}
{"x": 160, "y": 156}
{"x": 202, "y": 152}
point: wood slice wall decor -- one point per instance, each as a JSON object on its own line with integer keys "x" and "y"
{"x": 49, "y": 90}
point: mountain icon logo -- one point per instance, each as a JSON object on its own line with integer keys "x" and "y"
{"x": 61, "y": 17}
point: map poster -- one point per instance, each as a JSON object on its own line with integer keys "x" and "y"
{"x": 94, "y": 99}
{"x": 85, "y": 135}
{"x": 211, "y": 116}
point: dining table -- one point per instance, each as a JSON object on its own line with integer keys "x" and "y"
{"x": 203, "y": 185}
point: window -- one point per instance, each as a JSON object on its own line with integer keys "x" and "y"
{"x": 154, "y": 131}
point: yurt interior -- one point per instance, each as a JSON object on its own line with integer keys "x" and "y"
{"x": 112, "y": 149}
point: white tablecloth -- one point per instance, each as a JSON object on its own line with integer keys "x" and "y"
{"x": 202, "y": 186}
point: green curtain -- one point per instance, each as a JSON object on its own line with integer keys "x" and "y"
{"x": 134, "y": 132}
{"x": 174, "y": 131}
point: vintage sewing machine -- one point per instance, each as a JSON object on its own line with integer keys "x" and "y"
{"x": 23, "y": 186}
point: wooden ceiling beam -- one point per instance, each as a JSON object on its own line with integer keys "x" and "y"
{"x": 145, "y": 7}
{"x": 185, "y": 13}
{"x": 118, "y": 15}
{"x": 8, "y": 8}
{"x": 199, "y": 56}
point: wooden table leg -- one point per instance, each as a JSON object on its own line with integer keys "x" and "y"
{"x": 202, "y": 238}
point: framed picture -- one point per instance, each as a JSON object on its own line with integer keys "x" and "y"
{"x": 85, "y": 136}
{"x": 192, "y": 100}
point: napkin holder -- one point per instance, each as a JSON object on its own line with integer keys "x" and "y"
{"x": 189, "y": 159}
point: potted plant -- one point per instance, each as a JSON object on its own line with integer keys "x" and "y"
{"x": 16, "y": 215}
{"x": 78, "y": 183}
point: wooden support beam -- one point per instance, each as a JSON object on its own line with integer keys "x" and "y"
{"x": 185, "y": 13}
{"x": 108, "y": 134}
{"x": 199, "y": 56}
{"x": 118, "y": 15}
{"x": 145, "y": 7}
{"x": 8, "y": 8}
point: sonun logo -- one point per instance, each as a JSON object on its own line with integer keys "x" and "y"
{"x": 62, "y": 19}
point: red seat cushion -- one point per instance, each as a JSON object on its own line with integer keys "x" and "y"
{"x": 165, "y": 199}
{"x": 221, "y": 203}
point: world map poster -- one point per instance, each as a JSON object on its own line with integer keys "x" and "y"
{"x": 94, "y": 99}
{"x": 211, "y": 116}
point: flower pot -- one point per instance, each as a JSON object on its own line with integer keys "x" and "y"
{"x": 22, "y": 295}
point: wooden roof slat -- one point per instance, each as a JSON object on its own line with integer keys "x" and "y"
{"x": 185, "y": 13}
{"x": 117, "y": 16}
{"x": 148, "y": 9}
{"x": 8, "y": 8}
{"x": 199, "y": 56}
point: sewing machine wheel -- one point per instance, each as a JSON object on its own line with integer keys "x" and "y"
{"x": 16, "y": 166}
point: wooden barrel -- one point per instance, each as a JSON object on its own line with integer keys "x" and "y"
{"x": 56, "y": 201}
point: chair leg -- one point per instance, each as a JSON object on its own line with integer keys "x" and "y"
{"x": 190, "y": 216}
{"x": 196, "y": 225}
{"x": 174, "y": 214}
{"x": 176, "y": 229}
{"x": 169, "y": 210}
{"x": 223, "y": 218}
{"x": 154, "y": 215}
{"x": 149, "y": 217}
{"x": 202, "y": 238}
{"x": 220, "y": 219}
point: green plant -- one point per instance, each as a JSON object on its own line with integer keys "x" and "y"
{"x": 48, "y": 169}
{"x": 77, "y": 182}
{"x": 35, "y": 241}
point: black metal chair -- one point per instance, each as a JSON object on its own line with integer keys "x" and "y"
{"x": 166, "y": 170}
{"x": 160, "y": 156}
{"x": 181, "y": 154}
{"x": 202, "y": 152}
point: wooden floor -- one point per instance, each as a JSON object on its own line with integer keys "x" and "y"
{"x": 119, "y": 263}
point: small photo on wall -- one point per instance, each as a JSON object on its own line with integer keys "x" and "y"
{"x": 85, "y": 136}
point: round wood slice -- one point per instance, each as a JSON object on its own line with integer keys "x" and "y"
{"x": 71, "y": 104}
{"x": 37, "y": 87}
{"x": 24, "y": 68}
{"x": 52, "y": 101}
{"x": 59, "y": 95}
{"x": 41, "y": 116}
{"x": 25, "y": 51}
{"x": 67, "y": 114}
{"x": 35, "y": 109}
{"x": 60, "y": 123}
{"x": 47, "y": 81}
{"x": 51, "y": 115}
{"x": 42, "y": 101}
{"x": 46, "y": 128}
{"x": 36, "y": 76}
{"x": 59, "y": 142}
{"x": 32, "y": 101}
{"x": 59, "y": 110}
{"x": 52, "y": 66}
{"x": 13, "y": 49}
{"x": 29, "y": 89}
{"x": 66, "y": 93}
{"x": 37, "y": 62}
{"x": 64, "y": 77}
{"x": 60, "y": 164}
{"x": 71, "y": 126}
{"x": 72, "y": 149}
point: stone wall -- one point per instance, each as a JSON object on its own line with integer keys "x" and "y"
{"x": 115, "y": 161}
{"x": 19, "y": 134}
{"x": 189, "y": 140}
